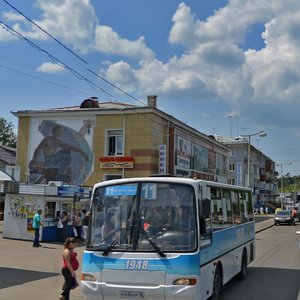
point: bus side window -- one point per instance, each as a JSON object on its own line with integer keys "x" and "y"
{"x": 205, "y": 221}
{"x": 202, "y": 225}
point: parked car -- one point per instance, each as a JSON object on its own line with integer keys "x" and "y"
{"x": 284, "y": 217}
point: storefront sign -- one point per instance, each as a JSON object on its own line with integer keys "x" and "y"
{"x": 114, "y": 162}
{"x": 69, "y": 191}
{"x": 162, "y": 159}
{"x": 239, "y": 173}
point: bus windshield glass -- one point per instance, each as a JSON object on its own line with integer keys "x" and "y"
{"x": 145, "y": 217}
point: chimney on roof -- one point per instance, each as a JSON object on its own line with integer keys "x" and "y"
{"x": 152, "y": 101}
{"x": 92, "y": 102}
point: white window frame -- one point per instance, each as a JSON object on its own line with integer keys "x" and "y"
{"x": 232, "y": 167}
{"x": 110, "y": 133}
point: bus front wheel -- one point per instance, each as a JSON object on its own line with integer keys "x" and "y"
{"x": 217, "y": 284}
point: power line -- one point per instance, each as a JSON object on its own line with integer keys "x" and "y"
{"x": 53, "y": 58}
{"x": 41, "y": 79}
{"x": 55, "y": 39}
{"x": 47, "y": 33}
{"x": 62, "y": 64}
{"x": 116, "y": 87}
{"x": 75, "y": 73}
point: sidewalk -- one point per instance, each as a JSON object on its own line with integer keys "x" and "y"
{"x": 32, "y": 273}
{"x": 263, "y": 222}
{"x": 27, "y": 272}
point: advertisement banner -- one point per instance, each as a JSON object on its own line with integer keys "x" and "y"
{"x": 239, "y": 173}
{"x": 184, "y": 153}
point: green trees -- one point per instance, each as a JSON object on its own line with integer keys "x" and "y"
{"x": 7, "y": 135}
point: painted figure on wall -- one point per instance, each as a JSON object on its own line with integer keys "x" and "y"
{"x": 62, "y": 155}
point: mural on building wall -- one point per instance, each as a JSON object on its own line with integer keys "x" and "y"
{"x": 63, "y": 154}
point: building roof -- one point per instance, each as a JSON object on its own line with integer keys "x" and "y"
{"x": 7, "y": 155}
{"x": 233, "y": 142}
{"x": 113, "y": 107}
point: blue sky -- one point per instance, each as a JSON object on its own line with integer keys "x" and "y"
{"x": 224, "y": 67}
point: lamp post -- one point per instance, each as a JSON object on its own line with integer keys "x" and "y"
{"x": 281, "y": 177}
{"x": 261, "y": 133}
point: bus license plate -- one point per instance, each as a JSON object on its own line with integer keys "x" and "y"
{"x": 132, "y": 294}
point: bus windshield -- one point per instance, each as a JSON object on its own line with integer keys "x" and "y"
{"x": 145, "y": 217}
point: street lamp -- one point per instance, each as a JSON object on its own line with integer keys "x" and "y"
{"x": 281, "y": 177}
{"x": 261, "y": 133}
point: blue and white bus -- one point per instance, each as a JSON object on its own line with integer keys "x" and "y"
{"x": 166, "y": 238}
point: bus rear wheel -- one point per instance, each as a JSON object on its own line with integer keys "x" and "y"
{"x": 243, "y": 273}
{"x": 217, "y": 284}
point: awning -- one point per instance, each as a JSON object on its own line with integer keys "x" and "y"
{"x": 4, "y": 177}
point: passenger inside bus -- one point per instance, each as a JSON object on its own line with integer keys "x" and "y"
{"x": 109, "y": 227}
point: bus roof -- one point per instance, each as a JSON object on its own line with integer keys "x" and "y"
{"x": 170, "y": 179}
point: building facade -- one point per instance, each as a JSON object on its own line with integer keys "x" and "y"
{"x": 101, "y": 141}
{"x": 63, "y": 152}
{"x": 261, "y": 177}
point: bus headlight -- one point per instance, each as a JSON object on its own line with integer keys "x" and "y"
{"x": 185, "y": 281}
{"x": 88, "y": 277}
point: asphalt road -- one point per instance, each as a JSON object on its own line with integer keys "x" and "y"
{"x": 275, "y": 273}
{"x": 28, "y": 273}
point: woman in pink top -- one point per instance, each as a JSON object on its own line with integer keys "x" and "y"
{"x": 69, "y": 266}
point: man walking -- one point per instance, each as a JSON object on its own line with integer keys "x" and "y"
{"x": 37, "y": 222}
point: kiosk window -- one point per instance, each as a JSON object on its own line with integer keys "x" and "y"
{"x": 50, "y": 210}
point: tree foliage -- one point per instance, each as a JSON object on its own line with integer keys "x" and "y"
{"x": 7, "y": 135}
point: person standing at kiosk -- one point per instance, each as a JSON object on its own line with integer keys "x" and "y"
{"x": 37, "y": 222}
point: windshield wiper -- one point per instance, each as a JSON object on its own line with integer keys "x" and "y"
{"x": 111, "y": 246}
{"x": 152, "y": 243}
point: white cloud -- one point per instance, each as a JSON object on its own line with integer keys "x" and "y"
{"x": 70, "y": 21}
{"x": 216, "y": 66}
{"x": 50, "y": 68}
{"x": 10, "y": 16}
{"x": 5, "y": 35}
{"x": 110, "y": 42}
{"x": 122, "y": 73}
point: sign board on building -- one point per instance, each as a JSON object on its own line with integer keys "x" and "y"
{"x": 115, "y": 162}
{"x": 162, "y": 159}
{"x": 239, "y": 173}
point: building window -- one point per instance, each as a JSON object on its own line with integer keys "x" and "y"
{"x": 232, "y": 153}
{"x": 231, "y": 181}
{"x": 231, "y": 167}
{"x": 115, "y": 142}
{"x": 112, "y": 176}
{"x": 50, "y": 210}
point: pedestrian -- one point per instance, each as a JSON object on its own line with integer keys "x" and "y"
{"x": 78, "y": 226}
{"x": 69, "y": 265}
{"x": 267, "y": 210}
{"x": 63, "y": 226}
{"x": 37, "y": 222}
{"x": 85, "y": 223}
{"x": 261, "y": 210}
{"x": 294, "y": 215}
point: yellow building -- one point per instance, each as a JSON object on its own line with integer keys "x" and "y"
{"x": 62, "y": 152}
{"x": 98, "y": 141}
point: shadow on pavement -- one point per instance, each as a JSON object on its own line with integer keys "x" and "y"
{"x": 11, "y": 277}
{"x": 264, "y": 283}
